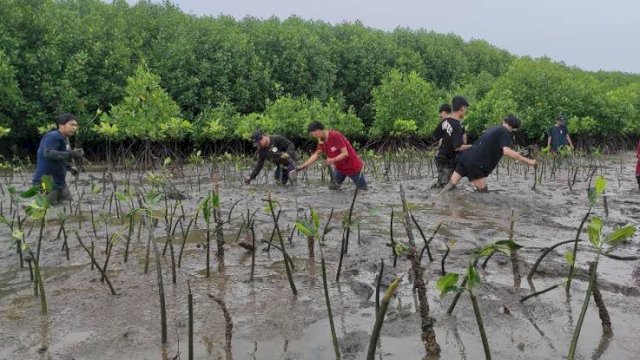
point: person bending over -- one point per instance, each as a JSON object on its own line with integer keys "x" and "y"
{"x": 278, "y": 150}
{"x": 477, "y": 163}
{"x": 341, "y": 156}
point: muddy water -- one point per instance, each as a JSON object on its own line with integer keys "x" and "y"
{"x": 86, "y": 322}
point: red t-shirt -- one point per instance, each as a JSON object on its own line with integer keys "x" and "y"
{"x": 333, "y": 146}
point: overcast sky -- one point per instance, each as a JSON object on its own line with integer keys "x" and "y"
{"x": 591, "y": 34}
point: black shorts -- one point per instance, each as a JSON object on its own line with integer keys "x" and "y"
{"x": 472, "y": 171}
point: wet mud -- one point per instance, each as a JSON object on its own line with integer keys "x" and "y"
{"x": 86, "y": 322}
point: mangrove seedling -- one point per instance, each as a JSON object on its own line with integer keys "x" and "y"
{"x": 596, "y": 239}
{"x": 312, "y": 231}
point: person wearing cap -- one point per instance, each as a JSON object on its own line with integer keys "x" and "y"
{"x": 559, "y": 135}
{"x": 341, "y": 156}
{"x": 54, "y": 158}
{"x": 477, "y": 163}
{"x": 278, "y": 150}
{"x": 450, "y": 133}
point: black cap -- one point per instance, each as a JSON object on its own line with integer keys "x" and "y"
{"x": 256, "y": 137}
{"x": 561, "y": 118}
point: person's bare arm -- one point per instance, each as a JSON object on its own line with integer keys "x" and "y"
{"x": 569, "y": 140}
{"x": 343, "y": 155}
{"x": 507, "y": 151}
{"x": 549, "y": 141}
{"x": 463, "y": 147}
{"x": 313, "y": 158}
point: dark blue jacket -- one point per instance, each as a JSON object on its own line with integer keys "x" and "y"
{"x": 53, "y": 157}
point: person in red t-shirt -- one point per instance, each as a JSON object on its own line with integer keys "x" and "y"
{"x": 638, "y": 164}
{"x": 341, "y": 156}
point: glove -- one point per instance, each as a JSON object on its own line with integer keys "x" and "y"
{"x": 247, "y": 180}
{"x": 76, "y": 153}
{"x": 74, "y": 171}
{"x": 284, "y": 156}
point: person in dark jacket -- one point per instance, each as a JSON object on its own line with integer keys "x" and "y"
{"x": 54, "y": 158}
{"x": 278, "y": 150}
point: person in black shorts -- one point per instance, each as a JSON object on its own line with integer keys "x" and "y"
{"x": 477, "y": 163}
{"x": 451, "y": 136}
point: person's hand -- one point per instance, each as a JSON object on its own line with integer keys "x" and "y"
{"x": 531, "y": 162}
{"x": 74, "y": 171}
{"x": 247, "y": 180}
{"x": 284, "y": 156}
{"x": 329, "y": 161}
{"x": 76, "y": 153}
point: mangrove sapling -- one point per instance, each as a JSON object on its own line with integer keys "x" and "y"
{"x": 185, "y": 235}
{"x": 227, "y": 319}
{"x": 312, "y": 230}
{"x": 163, "y": 310}
{"x": 190, "y": 307}
{"x": 18, "y": 237}
{"x": 602, "y": 309}
{"x": 270, "y": 206}
{"x": 95, "y": 263}
{"x": 426, "y": 242}
{"x": 380, "y": 313}
{"x": 449, "y": 283}
{"x": 428, "y": 334}
{"x": 594, "y": 193}
{"x": 515, "y": 263}
{"x": 378, "y": 284}
{"x": 205, "y": 206}
{"x": 596, "y": 239}
{"x": 503, "y": 246}
{"x": 393, "y": 242}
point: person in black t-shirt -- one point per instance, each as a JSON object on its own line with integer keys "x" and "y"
{"x": 559, "y": 135}
{"x": 277, "y": 149}
{"x": 477, "y": 163}
{"x": 451, "y": 136}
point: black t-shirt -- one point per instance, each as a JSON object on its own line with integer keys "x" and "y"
{"x": 451, "y": 132}
{"x": 487, "y": 151}
{"x": 277, "y": 146}
{"x": 558, "y": 136}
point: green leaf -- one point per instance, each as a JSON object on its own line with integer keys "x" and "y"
{"x": 601, "y": 185}
{"x": 316, "y": 219}
{"x": 3, "y": 220}
{"x": 621, "y": 234}
{"x": 328, "y": 230}
{"x": 594, "y": 230}
{"x": 305, "y": 229}
{"x": 509, "y": 243}
{"x": 473, "y": 278}
{"x": 31, "y": 192}
{"x": 486, "y": 250}
{"x": 447, "y": 283}
{"x": 47, "y": 184}
{"x": 120, "y": 196}
{"x": 18, "y": 234}
{"x": 215, "y": 201}
{"x": 400, "y": 249}
{"x": 167, "y": 161}
{"x": 568, "y": 256}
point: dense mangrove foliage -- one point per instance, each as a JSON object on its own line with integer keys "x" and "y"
{"x": 128, "y": 69}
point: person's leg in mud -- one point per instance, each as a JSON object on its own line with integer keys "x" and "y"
{"x": 481, "y": 185}
{"x": 338, "y": 179}
{"x": 291, "y": 175}
{"x": 282, "y": 175}
{"x": 453, "y": 182}
{"x": 638, "y": 179}
{"x": 53, "y": 197}
{"x": 360, "y": 181}
{"x": 445, "y": 170}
